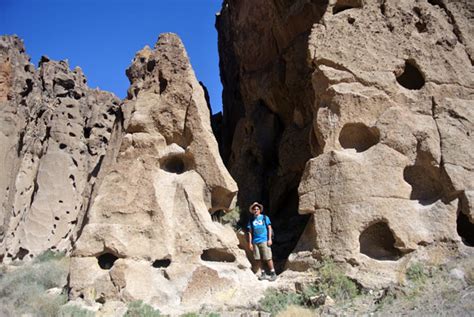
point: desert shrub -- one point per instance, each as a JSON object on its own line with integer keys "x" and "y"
{"x": 49, "y": 255}
{"x": 23, "y": 290}
{"x": 74, "y": 311}
{"x": 232, "y": 217}
{"x": 416, "y": 273}
{"x": 275, "y": 301}
{"x": 140, "y": 309}
{"x": 296, "y": 311}
{"x": 333, "y": 282}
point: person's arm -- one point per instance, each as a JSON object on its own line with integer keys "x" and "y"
{"x": 250, "y": 239}
{"x": 269, "y": 230}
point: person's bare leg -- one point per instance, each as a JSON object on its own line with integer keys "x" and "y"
{"x": 258, "y": 266}
{"x": 270, "y": 265}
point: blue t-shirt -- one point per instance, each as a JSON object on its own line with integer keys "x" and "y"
{"x": 258, "y": 227}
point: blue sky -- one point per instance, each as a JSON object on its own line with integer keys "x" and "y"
{"x": 102, "y": 36}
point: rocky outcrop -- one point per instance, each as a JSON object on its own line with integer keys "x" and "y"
{"x": 54, "y": 133}
{"x": 126, "y": 188}
{"x": 149, "y": 234}
{"x": 366, "y": 108}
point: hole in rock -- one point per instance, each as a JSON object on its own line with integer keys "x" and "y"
{"x": 343, "y": 5}
{"x": 22, "y": 253}
{"x": 351, "y": 20}
{"x": 465, "y": 227}
{"x": 70, "y": 116}
{"x": 163, "y": 83}
{"x": 435, "y": 2}
{"x": 62, "y": 146}
{"x": 150, "y": 65}
{"x": 425, "y": 182}
{"x": 217, "y": 255}
{"x": 411, "y": 78}
{"x": 106, "y": 260}
{"x": 161, "y": 263}
{"x": 87, "y": 132}
{"x": 72, "y": 134}
{"x": 358, "y": 136}
{"x": 421, "y": 27}
{"x": 174, "y": 164}
{"x": 377, "y": 242}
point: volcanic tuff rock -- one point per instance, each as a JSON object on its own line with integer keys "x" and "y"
{"x": 367, "y": 108}
{"x": 127, "y": 188}
{"x": 54, "y": 132}
{"x": 149, "y": 234}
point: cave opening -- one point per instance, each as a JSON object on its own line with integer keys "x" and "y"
{"x": 425, "y": 182}
{"x": 174, "y": 164}
{"x": 162, "y": 263}
{"x": 411, "y": 78}
{"x": 106, "y": 260}
{"x": 377, "y": 242}
{"x": 358, "y": 136}
{"x": 343, "y": 5}
{"x": 465, "y": 225}
{"x": 217, "y": 255}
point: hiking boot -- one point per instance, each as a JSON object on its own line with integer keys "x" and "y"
{"x": 263, "y": 276}
{"x": 272, "y": 276}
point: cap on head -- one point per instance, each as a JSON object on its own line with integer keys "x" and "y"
{"x": 256, "y": 204}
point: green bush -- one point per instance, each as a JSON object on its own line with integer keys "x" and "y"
{"x": 232, "y": 217}
{"x": 49, "y": 255}
{"x": 333, "y": 282}
{"x": 23, "y": 290}
{"x": 416, "y": 273}
{"x": 140, "y": 309}
{"x": 74, "y": 311}
{"x": 275, "y": 301}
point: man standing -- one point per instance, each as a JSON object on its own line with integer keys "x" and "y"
{"x": 260, "y": 240}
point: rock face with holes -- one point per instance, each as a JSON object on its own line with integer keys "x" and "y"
{"x": 367, "y": 107}
{"x": 149, "y": 234}
{"x": 54, "y": 133}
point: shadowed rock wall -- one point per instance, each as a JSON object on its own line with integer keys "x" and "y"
{"x": 374, "y": 104}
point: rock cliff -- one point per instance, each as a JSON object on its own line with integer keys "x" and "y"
{"x": 126, "y": 188}
{"x": 54, "y": 133}
{"x": 358, "y": 114}
{"x": 149, "y": 234}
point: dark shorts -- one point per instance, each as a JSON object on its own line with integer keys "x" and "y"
{"x": 261, "y": 251}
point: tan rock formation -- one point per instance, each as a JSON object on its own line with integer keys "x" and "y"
{"x": 53, "y": 134}
{"x": 389, "y": 111}
{"x": 149, "y": 234}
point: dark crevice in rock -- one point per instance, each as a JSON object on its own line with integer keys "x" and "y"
{"x": 20, "y": 144}
{"x": 163, "y": 263}
{"x": 411, "y": 78}
{"x": 464, "y": 225}
{"x": 28, "y": 88}
{"x": 217, "y": 255}
{"x": 378, "y": 242}
{"x": 163, "y": 83}
{"x": 96, "y": 169}
{"x": 106, "y": 260}
{"x": 35, "y": 189}
{"x": 358, "y": 136}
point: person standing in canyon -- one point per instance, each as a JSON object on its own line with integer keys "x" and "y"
{"x": 259, "y": 230}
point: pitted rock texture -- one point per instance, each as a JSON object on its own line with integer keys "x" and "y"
{"x": 149, "y": 234}
{"x": 376, "y": 114}
{"x": 54, "y": 133}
